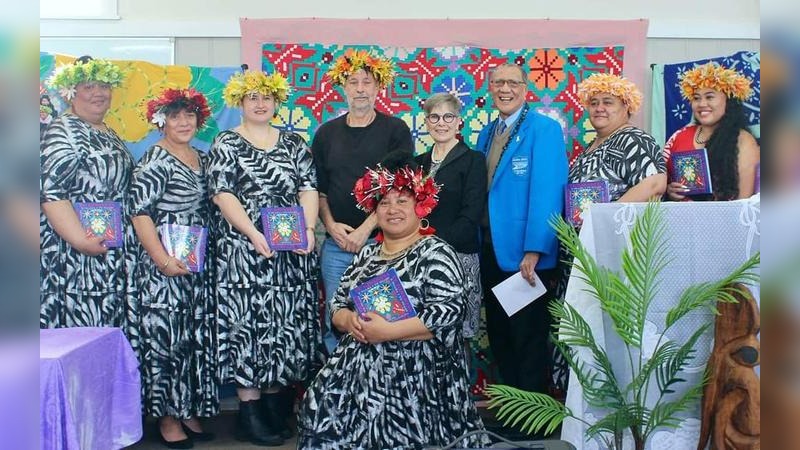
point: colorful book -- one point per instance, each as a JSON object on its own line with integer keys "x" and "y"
{"x": 383, "y": 294}
{"x": 690, "y": 168}
{"x": 102, "y": 219}
{"x": 580, "y": 195}
{"x": 284, "y": 228}
{"x": 187, "y": 243}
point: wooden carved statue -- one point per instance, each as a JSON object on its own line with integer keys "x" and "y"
{"x": 731, "y": 408}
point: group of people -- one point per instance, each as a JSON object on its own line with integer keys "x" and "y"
{"x": 452, "y": 223}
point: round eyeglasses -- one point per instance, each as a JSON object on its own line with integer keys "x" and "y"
{"x": 448, "y": 118}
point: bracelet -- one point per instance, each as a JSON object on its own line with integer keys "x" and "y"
{"x": 311, "y": 228}
{"x": 166, "y": 263}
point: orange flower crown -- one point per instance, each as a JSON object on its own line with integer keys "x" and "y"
{"x": 353, "y": 60}
{"x": 606, "y": 83}
{"x": 713, "y": 76}
{"x": 370, "y": 188}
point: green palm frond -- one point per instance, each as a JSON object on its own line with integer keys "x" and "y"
{"x": 665, "y": 414}
{"x": 620, "y": 419}
{"x": 642, "y": 264}
{"x": 662, "y": 355}
{"x": 599, "y": 390}
{"x": 532, "y": 410}
{"x": 667, "y": 372}
{"x": 598, "y": 380}
{"x": 705, "y": 295}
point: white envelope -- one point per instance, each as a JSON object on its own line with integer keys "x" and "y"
{"x": 516, "y": 293}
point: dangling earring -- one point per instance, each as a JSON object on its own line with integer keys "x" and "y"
{"x": 425, "y": 228}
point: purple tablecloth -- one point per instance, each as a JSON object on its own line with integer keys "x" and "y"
{"x": 89, "y": 389}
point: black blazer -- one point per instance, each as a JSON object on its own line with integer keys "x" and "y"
{"x": 462, "y": 199}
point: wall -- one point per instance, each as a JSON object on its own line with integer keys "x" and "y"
{"x": 207, "y": 32}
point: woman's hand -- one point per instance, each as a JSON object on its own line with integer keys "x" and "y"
{"x": 675, "y": 191}
{"x": 173, "y": 267}
{"x": 91, "y": 246}
{"x": 347, "y": 321}
{"x": 375, "y": 328}
{"x": 311, "y": 241}
{"x": 260, "y": 243}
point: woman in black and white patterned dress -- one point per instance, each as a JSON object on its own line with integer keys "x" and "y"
{"x": 82, "y": 160}
{"x": 268, "y": 300}
{"x": 175, "y": 319}
{"x": 401, "y": 384}
{"x": 625, "y": 157}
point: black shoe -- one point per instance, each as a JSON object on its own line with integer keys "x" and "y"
{"x": 251, "y": 426}
{"x": 201, "y": 436}
{"x": 274, "y": 408}
{"x": 182, "y": 444}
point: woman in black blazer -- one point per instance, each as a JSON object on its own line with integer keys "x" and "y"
{"x": 462, "y": 174}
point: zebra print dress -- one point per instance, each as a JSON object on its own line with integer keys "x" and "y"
{"x": 80, "y": 163}
{"x": 173, "y": 326}
{"x": 269, "y": 327}
{"x": 397, "y": 394}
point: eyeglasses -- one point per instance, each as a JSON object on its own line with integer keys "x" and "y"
{"x": 511, "y": 83}
{"x": 448, "y": 118}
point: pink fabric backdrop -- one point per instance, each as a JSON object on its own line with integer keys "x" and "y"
{"x": 494, "y": 33}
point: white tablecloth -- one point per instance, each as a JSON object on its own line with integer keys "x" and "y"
{"x": 706, "y": 241}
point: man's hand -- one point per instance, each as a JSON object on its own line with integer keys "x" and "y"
{"x": 339, "y": 232}
{"x": 357, "y": 238}
{"x": 527, "y": 267}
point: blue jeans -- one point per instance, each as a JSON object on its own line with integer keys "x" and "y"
{"x": 334, "y": 261}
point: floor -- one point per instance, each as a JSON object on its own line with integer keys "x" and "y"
{"x": 222, "y": 426}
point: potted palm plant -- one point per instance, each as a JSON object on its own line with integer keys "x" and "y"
{"x": 625, "y": 299}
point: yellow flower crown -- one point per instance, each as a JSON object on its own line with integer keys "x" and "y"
{"x": 606, "y": 83}
{"x": 241, "y": 84}
{"x": 713, "y": 76}
{"x": 67, "y": 76}
{"x": 353, "y": 60}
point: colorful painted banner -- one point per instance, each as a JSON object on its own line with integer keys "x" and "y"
{"x": 144, "y": 81}
{"x": 553, "y": 76}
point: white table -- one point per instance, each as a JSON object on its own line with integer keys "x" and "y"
{"x": 706, "y": 241}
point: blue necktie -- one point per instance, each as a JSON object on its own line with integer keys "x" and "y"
{"x": 501, "y": 127}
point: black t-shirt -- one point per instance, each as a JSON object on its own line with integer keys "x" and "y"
{"x": 342, "y": 154}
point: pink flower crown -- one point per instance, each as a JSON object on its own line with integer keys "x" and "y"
{"x": 376, "y": 183}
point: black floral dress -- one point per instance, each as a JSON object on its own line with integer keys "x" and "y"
{"x": 80, "y": 163}
{"x": 173, "y": 326}
{"x": 269, "y": 323}
{"x": 397, "y": 394}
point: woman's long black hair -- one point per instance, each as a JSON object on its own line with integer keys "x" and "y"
{"x": 723, "y": 151}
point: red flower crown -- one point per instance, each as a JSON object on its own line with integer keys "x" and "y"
{"x": 195, "y": 101}
{"x": 376, "y": 183}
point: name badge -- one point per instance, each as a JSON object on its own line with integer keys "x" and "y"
{"x": 519, "y": 165}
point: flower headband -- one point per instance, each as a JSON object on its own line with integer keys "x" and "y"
{"x": 353, "y": 60}
{"x": 67, "y": 76}
{"x": 241, "y": 84}
{"x": 376, "y": 183}
{"x": 180, "y": 98}
{"x": 713, "y": 76}
{"x": 606, "y": 83}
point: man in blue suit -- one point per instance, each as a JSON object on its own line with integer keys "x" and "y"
{"x": 527, "y": 168}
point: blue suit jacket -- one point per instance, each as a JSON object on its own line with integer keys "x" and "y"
{"x": 526, "y": 191}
